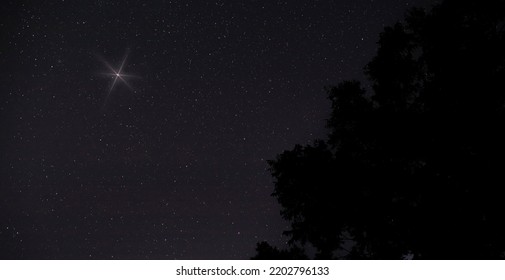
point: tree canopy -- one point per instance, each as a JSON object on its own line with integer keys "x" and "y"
{"x": 417, "y": 166}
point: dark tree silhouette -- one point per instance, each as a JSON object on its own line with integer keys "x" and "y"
{"x": 419, "y": 168}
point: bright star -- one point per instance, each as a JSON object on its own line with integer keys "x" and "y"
{"x": 118, "y": 75}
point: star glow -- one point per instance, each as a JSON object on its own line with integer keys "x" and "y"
{"x": 117, "y": 74}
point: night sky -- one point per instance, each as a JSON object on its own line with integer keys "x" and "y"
{"x": 168, "y": 161}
